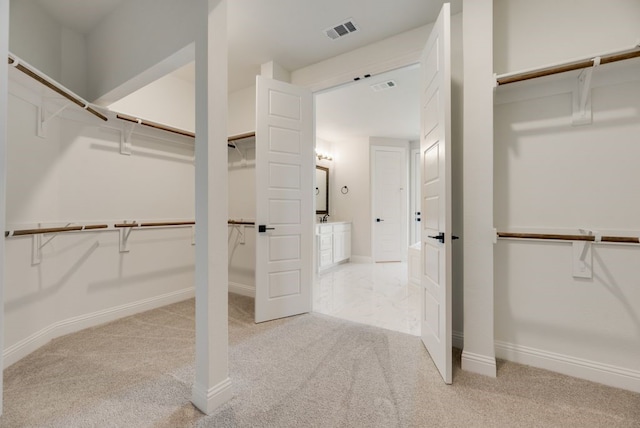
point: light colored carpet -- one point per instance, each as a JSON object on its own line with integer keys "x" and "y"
{"x": 305, "y": 371}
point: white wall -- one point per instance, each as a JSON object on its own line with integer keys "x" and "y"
{"x": 53, "y": 49}
{"x": 350, "y": 168}
{"x": 531, "y": 34}
{"x": 242, "y": 111}
{"x": 136, "y": 37}
{"x": 77, "y": 175}
{"x": 552, "y": 176}
{"x": 153, "y": 100}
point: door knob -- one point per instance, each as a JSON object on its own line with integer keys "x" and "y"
{"x": 263, "y": 228}
{"x": 438, "y": 237}
{"x": 378, "y": 220}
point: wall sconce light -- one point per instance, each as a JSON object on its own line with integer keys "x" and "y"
{"x": 322, "y": 156}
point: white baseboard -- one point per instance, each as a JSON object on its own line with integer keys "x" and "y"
{"x": 242, "y": 289}
{"x": 208, "y": 400}
{"x": 457, "y": 339}
{"x": 481, "y": 364}
{"x": 26, "y": 346}
{"x": 361, "y": 259}
{"x": 606, "y": 374}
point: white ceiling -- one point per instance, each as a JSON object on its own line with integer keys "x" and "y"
{"x": 290, "y": 32}
{"x": 356, "y": 111}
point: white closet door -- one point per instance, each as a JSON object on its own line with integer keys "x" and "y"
{"x": 435, "y": 148}
{"x": 284, "y": 199}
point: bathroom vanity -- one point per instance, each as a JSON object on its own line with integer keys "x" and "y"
{"x": 333, "y": 244}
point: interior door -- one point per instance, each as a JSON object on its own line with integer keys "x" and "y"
{"x": 435, "y": 149}
{"x": 284, "y": 199}
{"x": 389, "y": 196}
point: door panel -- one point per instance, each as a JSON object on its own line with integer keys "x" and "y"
{"x": 284, "y": 205}
{"x": 390, "y": 201}
{"x": 435, "y": 146}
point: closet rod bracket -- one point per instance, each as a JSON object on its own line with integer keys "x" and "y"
{"x": 36, "y": 249}
{"x": 124, "y": 234}
{"x": 582, "y": 114}
{"x": 125, "y": 137}
{"x": 42, "y": 118}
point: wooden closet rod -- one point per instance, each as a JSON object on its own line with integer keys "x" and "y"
{"x": 560, "y": 237}
{"x": 81, "y": 103}
{"x": 156, "y": 224}
{"x": 24, "y": 232}
{"x": 155, "y": 125}
{"x": 241, "y": 136}
{"x": 548, "y": 71}
{"x": 241, "y": 223}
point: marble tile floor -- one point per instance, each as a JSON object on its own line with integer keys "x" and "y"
{"x": 377, "y": 294}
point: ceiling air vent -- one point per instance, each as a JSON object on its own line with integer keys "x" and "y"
{"x": 343, "y": 29}
{"x": 389, "y": 84}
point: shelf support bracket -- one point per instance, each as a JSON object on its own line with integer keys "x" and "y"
{"x": 42, "y": 118}
{"x": 36, "y": 249}
{"x": 125, "y": 137}
{"x": 582, "y": 114}
{"x": 124, "y": 233}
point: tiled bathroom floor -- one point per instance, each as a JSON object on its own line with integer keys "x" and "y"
{"x": 377, "y": 294}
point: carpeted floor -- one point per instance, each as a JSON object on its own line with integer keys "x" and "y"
{"x": 305, "y": 371}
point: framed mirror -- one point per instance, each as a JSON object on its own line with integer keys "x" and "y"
{"x": 322, "y": 190}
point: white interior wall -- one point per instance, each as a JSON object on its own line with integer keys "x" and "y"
{"x": 77, "y": 175}
{"x": 532, "y": 34}
{"x": 168, "y": 100}
{"x": 350, "y": 168}
{"x": 242, "y": 111}
{"x": 134, "y": 39}
{"x": 35, "y": 37}
{"x": 552, "y": 176}
{"x": 57, "y": 51}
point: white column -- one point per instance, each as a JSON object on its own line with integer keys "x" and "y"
{"x": 275, "y": 71}
{"x": 477, "y": 33}
{"x": 212, "y": 385}
{"x": 4, "y": 95}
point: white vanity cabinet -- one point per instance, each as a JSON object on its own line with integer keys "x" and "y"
{"x": 333, "y": 244}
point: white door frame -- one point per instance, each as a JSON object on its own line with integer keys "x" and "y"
{"x": 404, "y": 149}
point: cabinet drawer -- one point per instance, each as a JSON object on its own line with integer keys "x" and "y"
{"x": 325, "y": 229}
{"x": 341, "y": 227}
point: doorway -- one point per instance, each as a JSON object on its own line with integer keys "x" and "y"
{"x": 374, "y": 121}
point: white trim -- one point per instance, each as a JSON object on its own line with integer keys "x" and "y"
{"x": 606, "y": 374}
{"x": 242, "y": 289}
{"x": 26, "y": 346}
{"x": 361, "y": 259}
{"x": 480, "y": 364}
{"x": 209, "y": 400}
